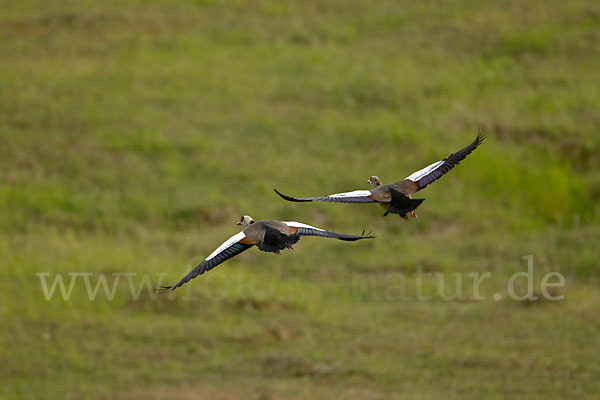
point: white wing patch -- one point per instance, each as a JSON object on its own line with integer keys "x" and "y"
{"x": 356, "y": 193}
{"x": 415, "y": 176}
{"x": 300, "y": 225}
{"x": 234, "y": 239}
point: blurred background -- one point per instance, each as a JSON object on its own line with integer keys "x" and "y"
{"x": 134, "y": 134}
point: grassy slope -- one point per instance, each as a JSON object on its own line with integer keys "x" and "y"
{"x": 133, "y": 135}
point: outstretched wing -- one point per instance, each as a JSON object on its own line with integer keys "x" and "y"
{"x": 357, "y": 196}
{"x": 300, "y": 229}
{"x": 233, "y": 246}
{"x": 435, "y": 171}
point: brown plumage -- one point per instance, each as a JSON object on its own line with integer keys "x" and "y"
{"x": 396, "y": 197}
{"x": 269, "y": 235}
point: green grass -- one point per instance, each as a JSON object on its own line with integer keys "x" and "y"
{"x": 134, "y": 134}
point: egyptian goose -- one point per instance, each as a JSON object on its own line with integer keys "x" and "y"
{"x": 396, "y": 197}
{"x": 269, "y": 235}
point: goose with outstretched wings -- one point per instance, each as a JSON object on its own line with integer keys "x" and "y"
{"x": 269, "y": 235}
{"x": 396, "y": 197}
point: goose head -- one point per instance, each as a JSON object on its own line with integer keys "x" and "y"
{"x": 374, "y": 180}
{"x": 246, "y": 220}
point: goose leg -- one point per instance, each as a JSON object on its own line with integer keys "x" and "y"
{"x": 414, "y": 214}
{"x": 403, "y": 216}
{"x": 278, "y": 252}
{"x": 290, "y": 247}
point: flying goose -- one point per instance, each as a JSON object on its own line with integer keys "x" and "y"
{"x": 396, "y": 197}
{"x": 269, "y": 235}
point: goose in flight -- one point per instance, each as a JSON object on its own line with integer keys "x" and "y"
{"x": 395, "y": 197}
{"x": 269, "y": 235}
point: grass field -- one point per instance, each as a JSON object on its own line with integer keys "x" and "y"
{"x": 134, "y": 134}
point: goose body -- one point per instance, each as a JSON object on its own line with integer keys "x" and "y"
{"x": 396, "y": 197}
{"x": 269, "y": 235}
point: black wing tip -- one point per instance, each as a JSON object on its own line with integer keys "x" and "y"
{"x": 481, "y": 134}
{"x": 289, "y": 198}
{"x": 349, "y": 237}
{"x": 162, "y": 289}
{"x": 367, "y": 235}
{"x": 363, "y": 235}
